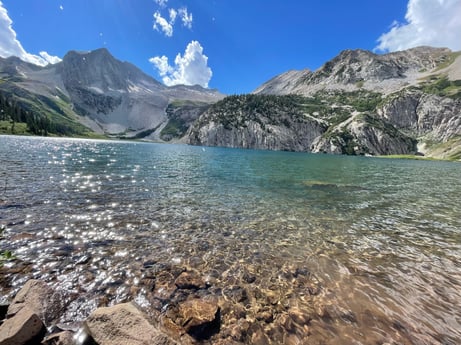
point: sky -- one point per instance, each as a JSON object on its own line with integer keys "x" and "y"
{"x": 231, "y": 45}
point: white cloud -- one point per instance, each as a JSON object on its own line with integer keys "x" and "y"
{"x": 186, "y": 17}
{"x": 173, "y": 14}
{"x": 61, "y": 7}
{"x": 10, "y": 46}
{"x": 161, "y": 3}
{"x": 49, "y": 58}
{"x": 189, "y": 69}
{"x": 428, "y": 22}
{"x": 161, "y": 24}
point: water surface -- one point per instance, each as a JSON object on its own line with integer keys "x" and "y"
{"x": 349, "y": 250}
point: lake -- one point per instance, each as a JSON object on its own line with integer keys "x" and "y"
{"x": 302, "y": 248}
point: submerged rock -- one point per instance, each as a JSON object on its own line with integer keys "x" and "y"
{"x": 201, "y": 319}
{"x": 190, "y": 280}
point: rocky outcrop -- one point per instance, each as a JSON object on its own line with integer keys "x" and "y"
{"x": 423, "y": 114}
{"x": 257, "y": 122}
{"x": 365, "y": 135}
{"x": 253, "y": 135}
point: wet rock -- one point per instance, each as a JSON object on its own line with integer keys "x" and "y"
{"x": 83, "y": 260}
{"x": 201, "y": 319}
{"x": 61, "y": 338}
{"x": 190, "y": 280}
{"x": 265, "y": 316}
{"x": 124, "y": 324}
{"x": 301, "y": 271}
{"x": 24, "y": 327}
{"x": 227, "y": 341}
{"x": 164, "y": 285}
{"x": 149, "y": 263}
{"x": 248, "y": 277}
{"x": 299, "y": 316}
{"x": 235, "y": 293}
{"x": 259, "y": 338}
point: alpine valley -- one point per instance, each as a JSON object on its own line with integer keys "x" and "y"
{"x": 358, "y": 103}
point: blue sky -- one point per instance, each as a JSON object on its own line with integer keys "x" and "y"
{"x": 231, "y": 45}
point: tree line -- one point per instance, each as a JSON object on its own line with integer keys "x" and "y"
{"x": 17, "y": 111}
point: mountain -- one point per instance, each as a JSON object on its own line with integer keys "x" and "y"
{"x": 406, "y": 102}
{"x": 92, "y": 92}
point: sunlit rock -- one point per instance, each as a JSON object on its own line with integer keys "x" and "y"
{"x": 23, "y": 327}
{"x": 124, "y": 324}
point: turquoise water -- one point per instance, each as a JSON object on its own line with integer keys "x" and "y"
{"x": 381, "y": 238}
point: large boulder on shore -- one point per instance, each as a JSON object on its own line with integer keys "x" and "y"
{"x": 40, "y": 298}
{"x": 124, "y": 324}
{"x": 24, "y": 327}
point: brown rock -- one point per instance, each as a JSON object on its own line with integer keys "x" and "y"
{"x": 61, "y": 338}
{"x": 40, "y": 298}
{"x": 124, "y": 324}
{"x": 32, "y": 295}
{"x": 23, "y": 327}
{"x": 259, "y": 338}
{"x": 190, "y": 280}
{"x": 200, "y": 318}
{"x": 299, "y": 316}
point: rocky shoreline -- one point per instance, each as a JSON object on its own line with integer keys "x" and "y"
{"x": 33, "y": 309}
{"x": 183, "y": 308}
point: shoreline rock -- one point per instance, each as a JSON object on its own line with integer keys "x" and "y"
{"x": 126, "y": 323}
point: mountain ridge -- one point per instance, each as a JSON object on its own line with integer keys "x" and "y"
{"x": 94, "y": 89}
{"x": 406, "y": 102}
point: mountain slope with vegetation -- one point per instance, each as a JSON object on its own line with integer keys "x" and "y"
{"x": 358, "y": 103}
{"x": 88, "y": 94}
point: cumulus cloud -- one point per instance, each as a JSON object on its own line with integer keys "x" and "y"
{"x": 10, "y": 45}
{"x": 161, "y": 24}
{"x": 428, "y": 22}
{"x": 186, "y": 17}
{"x": 189, "y": 69}
{"x": 173, "y": 13}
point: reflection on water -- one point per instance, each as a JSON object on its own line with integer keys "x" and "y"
{"x": 313, "y": 248}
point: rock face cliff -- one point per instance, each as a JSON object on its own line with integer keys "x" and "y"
{"x": 358, "y": 103}
{"x": 97, "y": 91}
{"x": 254, "y": 121}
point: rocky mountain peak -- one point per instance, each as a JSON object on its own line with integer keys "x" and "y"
{"x": 354, "y": 69}
{"x": 99, "y": 70}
